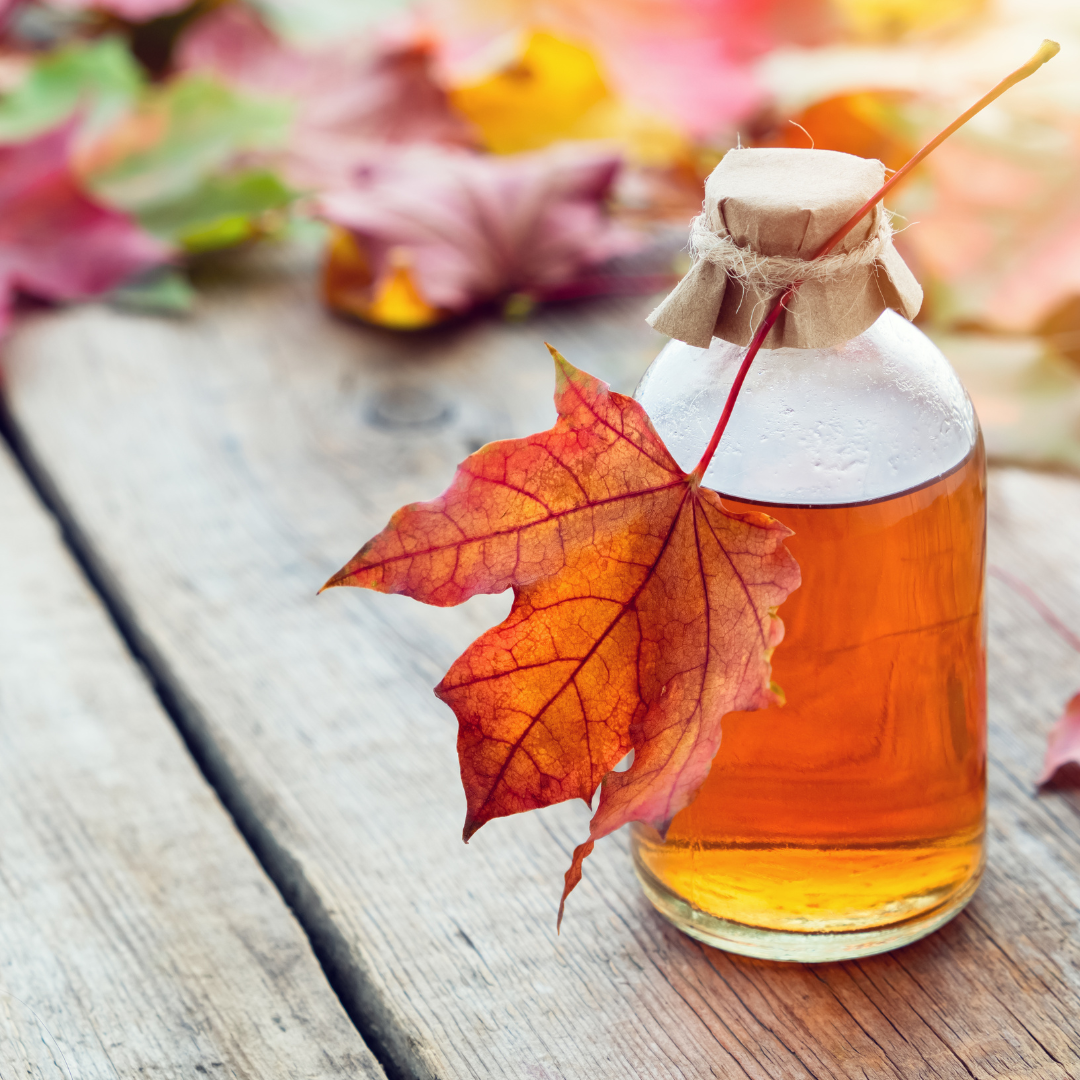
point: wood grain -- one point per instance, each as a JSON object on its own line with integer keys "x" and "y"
{"x": 219, "y": 469}
{"x": 138, "y": 936}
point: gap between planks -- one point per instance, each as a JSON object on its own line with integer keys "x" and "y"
{"x": 140, "y": 934}
{"x": 346, "y": 980}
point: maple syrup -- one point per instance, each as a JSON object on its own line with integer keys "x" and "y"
{"x": 850, "y": 819}
{"x": 859, "y": 804}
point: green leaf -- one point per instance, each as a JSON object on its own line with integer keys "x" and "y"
{"x": 221, "y": 212}
{"x": 100, "y": 77}
{"x": 191, "y": 128}
{"x": 161, "y": 292}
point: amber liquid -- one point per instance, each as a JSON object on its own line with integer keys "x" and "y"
{"x": 860, "y": 802}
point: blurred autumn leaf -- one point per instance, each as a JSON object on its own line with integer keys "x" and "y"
{"x": 426, "y": 232}
{"x": 349, "y": 285}
{"x": 163, "y": 291}
{"x": 868, "y": 124}
{"x": 178, "y": 163}
{"x": 344, "y": 96}
{"x": 542, "y": 96}
{"x": 57, "y": 243}
{"x": 554, "y": 90}
{"x": 100, "y": 79}
{"x": 177, "y": 135}
{"x": 220, "y": 212}
{"x": 687, "y": 63}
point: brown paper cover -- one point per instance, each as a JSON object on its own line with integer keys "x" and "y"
{"x": 783, "y": 204}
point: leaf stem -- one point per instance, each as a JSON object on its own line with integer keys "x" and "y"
{"x": 755, "y": 345}
{"x": 1047, "y": 50}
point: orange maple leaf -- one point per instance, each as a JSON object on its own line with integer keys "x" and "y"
{"x": 643, "y": 612}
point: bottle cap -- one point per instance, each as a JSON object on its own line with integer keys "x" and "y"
{"x": 766, "y": 212}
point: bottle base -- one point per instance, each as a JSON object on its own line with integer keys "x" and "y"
{"x": 803, "y": 947}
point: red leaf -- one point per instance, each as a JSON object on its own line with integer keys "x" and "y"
{"x": 55, "y": 241}
{"x": 1061, "y": 767}
{"x": 643, "y": 612}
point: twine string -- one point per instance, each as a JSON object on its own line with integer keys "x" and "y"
{"x": 771, "y": 272}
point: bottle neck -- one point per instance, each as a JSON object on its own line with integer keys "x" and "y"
{"x": 864, "y": 420}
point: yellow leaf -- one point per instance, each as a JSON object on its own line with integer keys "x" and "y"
{"x": 556, "y": 90}
{"x": 394, "y": 301}
{"x": 538, "y": 99}
{"x": 398, "y": 303}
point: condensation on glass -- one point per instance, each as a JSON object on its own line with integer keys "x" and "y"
{"x": 850, "y": 820}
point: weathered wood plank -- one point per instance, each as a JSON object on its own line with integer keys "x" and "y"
{"x": 220, "y": 469}
{"x": 138, "y": 935}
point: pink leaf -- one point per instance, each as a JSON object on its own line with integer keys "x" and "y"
{"x": 478, "y": 227}
{"x": 55, "y": 241}
{"x": 1061, "y": 768}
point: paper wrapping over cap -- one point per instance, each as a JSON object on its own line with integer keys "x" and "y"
{"x": 766, "y": 212}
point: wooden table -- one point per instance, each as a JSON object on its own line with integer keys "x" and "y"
{"x": 230, "y": 810}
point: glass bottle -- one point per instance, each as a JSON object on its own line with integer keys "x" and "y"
{"x": 850, "y": 820}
